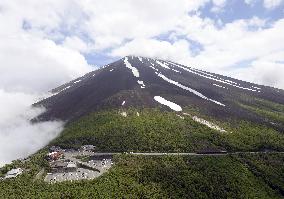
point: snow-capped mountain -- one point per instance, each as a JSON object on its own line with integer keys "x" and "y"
{"x": 144, "y": 82}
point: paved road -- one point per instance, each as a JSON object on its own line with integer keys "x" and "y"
{"x": 193, "y": 154}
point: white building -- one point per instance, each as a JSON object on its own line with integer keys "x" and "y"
{"x": 13, "y": 173}
{"x": 87, "y": 147}
{"x": 71, "y": 167}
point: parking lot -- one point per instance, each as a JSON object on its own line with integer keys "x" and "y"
{"x": 80, "y": 174}
{"x": 86, "y": 170}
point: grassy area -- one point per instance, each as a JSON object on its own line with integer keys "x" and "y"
{"x": 160, "y": 177}
{"x": 157, "y": 131}
{"x": 270, "y": 105}
{"x": 270, "y": 110}
{"x": 269, "y": 167}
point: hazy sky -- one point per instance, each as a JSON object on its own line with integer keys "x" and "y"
{"x": 44, "y": 43}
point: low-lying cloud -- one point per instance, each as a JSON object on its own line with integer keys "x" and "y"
{"x": 18, "y": 136}
{"x": 34, "y": 59}
{"x": 27, "y": 73}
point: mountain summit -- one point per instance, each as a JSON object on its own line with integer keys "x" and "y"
{"x": 148, "y": 127}
{"x": 144, "y": 82}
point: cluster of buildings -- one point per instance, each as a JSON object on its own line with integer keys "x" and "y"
{"x": 71, "y": 165}
{"x": 64, "y": 162}
{"x": 58, "y": 163}
{"x": 87, "y": 148}
{"x": 13, "y": 173}
{"x": 63, "y": 166}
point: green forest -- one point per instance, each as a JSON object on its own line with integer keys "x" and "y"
{"x": 159, "y": 131}
{"x": 237, "y": 175}
{"x": 228, "y": 176}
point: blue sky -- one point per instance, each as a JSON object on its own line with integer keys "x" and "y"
{"x": 236, "y": 9}
{"x": 233, "y": 10}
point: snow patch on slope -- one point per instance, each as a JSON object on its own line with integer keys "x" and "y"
{"x": 214, "y": 78}
{"x": 50, "y": 94}
{"x": 133, "y": 69}
{"x": 256, "y": 87}
{"x": 175, "y": 70}
{"x": 219, "y": 86}
{"x": 164, "y": 65}
{"x": 141, "y": 83}
{"x": 170, "y": 104}
{"x": 152, "y": 66}
{"x": 77, "y": 81}
{"x": 65, "y": 88}
{"x": 188, "y": 89}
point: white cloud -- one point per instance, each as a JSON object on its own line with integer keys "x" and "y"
{"x": 236, "y": 42}
{"x": 218, "y": 5}
{"x": 105, "y": 23}
{"x": 77, "y": 44}
{"x": 31, "y": 64}
{"x": 20, "y": 138}
{"x": 112, "y": 22}
{"x": 259, "y": 72}
{"x": 239, "y": 41}
{"x": 267, "y": 4}
{"x": 268, "y": 69}
{"x": 250, "y": 2}
{"x": 271, "y": 4}
{"x": 223, "y": 50}
{"x": 30, "y": 60}
{"x": 179, "y": 50}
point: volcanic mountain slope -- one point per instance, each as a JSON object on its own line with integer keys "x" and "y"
{"x": 151, "y": 106}
{"x": 144, "y": 82}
